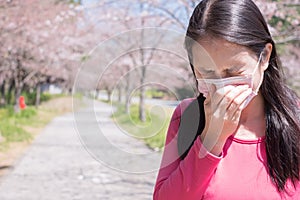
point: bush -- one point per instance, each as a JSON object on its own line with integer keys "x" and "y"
{"x": 156, "y": 94}
{"x": 184, "y": 93}
{"x": 30, "y": 97}
{"x": 9, "y": 112}
{"x": 27, "y": 113}
{"x": 153, "y": 131}
{"x": 14, "y": 133}
{"x": 45, "y": 97}
{"x": 11, "y": 123}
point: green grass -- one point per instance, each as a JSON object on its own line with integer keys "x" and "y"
{"x": 23, "y": 126}
{"x": 154, "y": 94}
{"x": 152, "y": 131}
{"x": 11, "y": 124}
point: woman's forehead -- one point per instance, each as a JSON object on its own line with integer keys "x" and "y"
{"x": 211, "y": 50}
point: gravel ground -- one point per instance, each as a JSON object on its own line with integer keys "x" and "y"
{"x": 68, "y": 160}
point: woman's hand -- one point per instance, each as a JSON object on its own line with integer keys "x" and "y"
{"x": 223, "y": 108}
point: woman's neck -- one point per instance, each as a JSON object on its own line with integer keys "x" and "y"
{"x": 255, "y": 110}
{"x": 252, "y": 121}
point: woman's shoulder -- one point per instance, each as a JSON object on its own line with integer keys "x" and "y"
{"x": 176, "y": 118}
{"x": 182, "y": 106}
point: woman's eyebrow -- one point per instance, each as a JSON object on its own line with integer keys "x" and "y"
{"x": 205, "y": 69}
{"x": 235, "y": 67}
{"x": 237, "y": 64}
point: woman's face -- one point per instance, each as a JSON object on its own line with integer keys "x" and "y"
{"x": 218, "y": 58}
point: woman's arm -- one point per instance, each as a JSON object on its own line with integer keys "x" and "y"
{"x": 188, "y": 178}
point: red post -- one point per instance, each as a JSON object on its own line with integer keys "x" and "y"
{"x": 22, "y": 103}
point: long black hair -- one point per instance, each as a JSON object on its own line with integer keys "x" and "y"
{"x": 241, "y": 22}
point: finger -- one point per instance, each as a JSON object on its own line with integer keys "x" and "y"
{"x": 220, "y": 102}
{"x": 219, "y": 96}
{"x": 235, "y": 108}
{"x": 211, "y": 89}
{"x": 237, "y": 96}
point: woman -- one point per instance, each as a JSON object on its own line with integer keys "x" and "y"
{"x": 240, "y": 138}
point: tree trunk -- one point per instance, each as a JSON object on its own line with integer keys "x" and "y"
{"x": 142, "y": 112}
{"x": 3, "y": 100}
{"x": 38, "y": 95}
{"x": 127, "y": 100}
{"x": 97, "y": 94}
{"x": 127, "y": 107}
{"x": 18, "y": 91}
{"x": 120, "y": 94}
{"x": 127, "y": 93}
{"x": 109, "y": 95}
{"x": 70, "y": 90}
{"x": 10, "y": 92}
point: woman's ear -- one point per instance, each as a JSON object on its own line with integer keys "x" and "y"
{"x": 266, "y": 54}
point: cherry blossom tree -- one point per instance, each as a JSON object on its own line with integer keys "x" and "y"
{"x": 38, "y": 38}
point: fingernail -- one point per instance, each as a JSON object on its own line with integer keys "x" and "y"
{"x": 243, "y": 86}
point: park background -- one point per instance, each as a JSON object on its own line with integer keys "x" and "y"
{"x": 45, "y": 44}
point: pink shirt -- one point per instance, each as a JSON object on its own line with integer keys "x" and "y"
{"x": 239, "y": 173}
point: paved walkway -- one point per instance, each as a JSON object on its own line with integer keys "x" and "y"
{"x": 59, "y": 166}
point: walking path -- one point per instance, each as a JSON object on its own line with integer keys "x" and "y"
{"x": 68, "y": 161}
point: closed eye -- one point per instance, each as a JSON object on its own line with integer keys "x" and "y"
{"x": 235, "y": 71}
{"x": 206, "y": 71}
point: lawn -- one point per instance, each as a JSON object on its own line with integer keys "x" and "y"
{"x": 17, "y": 131}
{"x": 152, "y": 131}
